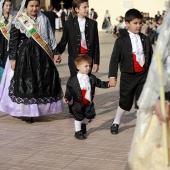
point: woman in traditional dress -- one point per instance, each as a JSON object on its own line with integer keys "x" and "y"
{"x": 147, "y": 149}
{"x": 31, "y": 85}
{"x": 5, "y": 26}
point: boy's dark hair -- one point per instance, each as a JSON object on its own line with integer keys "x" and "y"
{"x": 77, "y": 3}
{"x": 133, "y": 14}
{"x": 81, "y": 58}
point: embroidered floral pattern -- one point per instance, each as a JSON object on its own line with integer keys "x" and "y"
{"x": 26, "y": 101}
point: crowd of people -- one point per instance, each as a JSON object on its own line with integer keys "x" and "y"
{"x": 57, "y": 18}
{"x": 150, "y": 25}
{"x": 30, "y": 84}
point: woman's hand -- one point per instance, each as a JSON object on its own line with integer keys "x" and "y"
{"x": 65, "y": 101}
{"x": 13, "y": 63}
{"x": 157, "y": 108}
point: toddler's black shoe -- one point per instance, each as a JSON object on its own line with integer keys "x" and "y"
{"x": 114, "y": 129}
{"x": 79, "y": 135}
{"x": 83, "y": 128}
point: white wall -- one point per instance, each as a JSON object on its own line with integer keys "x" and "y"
{"x": 119, "y": 7}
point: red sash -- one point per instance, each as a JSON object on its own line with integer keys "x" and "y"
{"x": 84, "y": 100}
{"x": 137, "y": 67}
{"x": 83, "y": 50}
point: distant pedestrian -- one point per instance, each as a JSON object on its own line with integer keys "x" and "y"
{"x": 107, "y": 20}
{"x": 93, "y": 14}
{"x": 52, "y": 17}
{"x": 63, "y": 18}
{"x": 158, "y": 16}
{"x": 71, "y": 14}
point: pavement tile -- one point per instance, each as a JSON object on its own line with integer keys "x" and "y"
{"x": 49, "y": 143}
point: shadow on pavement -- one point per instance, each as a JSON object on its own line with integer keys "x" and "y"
{"x": 107, "y": 124}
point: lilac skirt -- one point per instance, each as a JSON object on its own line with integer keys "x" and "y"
{"x": 21, "y": 110}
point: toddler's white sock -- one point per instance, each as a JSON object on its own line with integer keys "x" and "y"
{"x": 77, "y": 125}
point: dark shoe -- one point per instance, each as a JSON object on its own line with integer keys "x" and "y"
{"x": 114, "y": 129}
{"x": 79, "y": 135}
{"x": 83, "y": 128}
{"x": 29, "y": 119}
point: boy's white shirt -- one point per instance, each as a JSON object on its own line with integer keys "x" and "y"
{"x": 137, "y": 48}
{"x": 84, "y": 82}
{"x": 82, "y": 22}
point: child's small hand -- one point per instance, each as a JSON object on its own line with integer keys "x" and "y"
{"x": 112, "y": 82}
{"x": 65, "y": 101}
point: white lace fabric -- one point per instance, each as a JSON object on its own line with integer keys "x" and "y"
{"x": 84, "y": 82}
{"x": 137, "y": 48}
{"x": 8, "y": 26}
{"x": 82, "y": 22}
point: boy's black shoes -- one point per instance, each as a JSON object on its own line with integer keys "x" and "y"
{"x": 114, "y": 129}
{"x": 83, "y": 128}
{"x": 79, "y": 135}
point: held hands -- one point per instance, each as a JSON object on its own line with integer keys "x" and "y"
{"x": 157, "y": 108}
{"x": 57, "y": 59}
{"x": 65, "y": 101}
{"x": 112, "y": 82}
{"x": 13, "y": 63}
{"x": 95, "y": 68}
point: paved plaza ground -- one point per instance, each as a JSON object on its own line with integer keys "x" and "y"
{"x": 49, "y": 143}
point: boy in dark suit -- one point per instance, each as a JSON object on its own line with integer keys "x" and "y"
{"x": 82, "y": 89}
{"x": 133, "y": 51}
{"x": 81, "y": 34}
